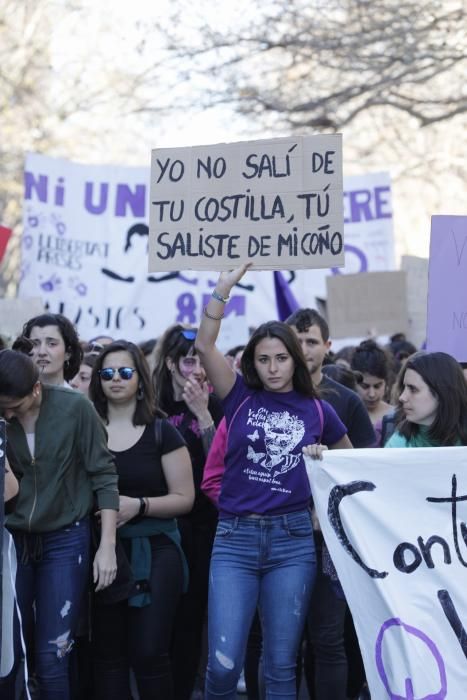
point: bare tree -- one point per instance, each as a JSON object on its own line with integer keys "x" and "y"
{"x": 320, "y": 64}
{"x": 64, "y": 91}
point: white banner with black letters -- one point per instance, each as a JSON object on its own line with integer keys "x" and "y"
{"x": 394, "y": 521}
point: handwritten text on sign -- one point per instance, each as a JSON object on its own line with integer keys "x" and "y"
{"x": 394, "y": 522}
{"x": 447, "y": 287}
{"x": 275, "y": 202}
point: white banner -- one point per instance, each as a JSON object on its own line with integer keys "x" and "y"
{"x": 85, "y": 253}
{"x": 394, "y": 522}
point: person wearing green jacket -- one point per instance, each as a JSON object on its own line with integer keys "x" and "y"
{"x": 57, "y": 449}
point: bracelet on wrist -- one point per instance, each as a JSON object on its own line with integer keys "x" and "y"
{"x": 215, "y": 295}
{"x": 142, "y": 507}
{"x": 213, "y": 318}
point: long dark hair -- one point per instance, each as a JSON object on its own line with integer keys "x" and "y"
{"x": 69, "y": 335}
{"x": 172, "y": 344}
{"x": 445, "y": 379}
{"x": 18, "y": 374}
{"x": 277, "y": 329}
{"x": 145, "y": 409}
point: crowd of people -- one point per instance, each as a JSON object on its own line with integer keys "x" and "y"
{"x": 159, "y": 521}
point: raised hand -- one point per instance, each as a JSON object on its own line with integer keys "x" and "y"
{"x": 229, "y": 278}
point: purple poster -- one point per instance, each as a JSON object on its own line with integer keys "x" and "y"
{"x": 447, "y": 287}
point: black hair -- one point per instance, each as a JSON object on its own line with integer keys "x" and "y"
{"x": 302, "y": 319}
{"x": 302, "y": 382}
{"x": 446, "y": 382}
{"x": 69, "y": 335}
{"x": 343, "y": 375}
{"x": 18, "y": 374}
{"x": 172, "y": 344}
{"x": 145, "y": 409}
{"x": 370, "y": 358}
{"x": 147, "y": 346}
{"x": 233, "y": 351}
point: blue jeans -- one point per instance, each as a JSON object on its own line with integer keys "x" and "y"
{"x": 267, "y": 562}
{"x": 52, "y": 575}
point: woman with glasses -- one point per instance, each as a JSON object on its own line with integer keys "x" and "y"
{"x": 183, "y": 393}
{"x": 56, "y": 448}
{"x": 264, "y": 555}
{"x": 156, "y": 486}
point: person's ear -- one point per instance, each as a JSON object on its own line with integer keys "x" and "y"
{"x": 36, "y": 389}
{"x": 169, "y": 363}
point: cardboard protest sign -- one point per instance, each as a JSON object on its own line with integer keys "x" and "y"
{"x": 370, "y": 302}
{"x": 5, "y": 234}
{"x": 416, "y": 270}
{"x": 275, "y": 202}
{"x": 393, "y": 521}
{"x": 15, "y": 312}
{"x": 447, "y": 287}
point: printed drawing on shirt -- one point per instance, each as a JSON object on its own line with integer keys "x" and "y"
{"x": 282, "y": 432}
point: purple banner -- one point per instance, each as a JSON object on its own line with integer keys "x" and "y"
{"x": 447, "y": 287}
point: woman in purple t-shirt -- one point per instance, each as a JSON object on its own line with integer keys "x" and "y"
{"x": 263, "y": 554}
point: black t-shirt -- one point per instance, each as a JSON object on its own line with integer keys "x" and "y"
{"x": 140, "y": 467}
{"x": 350, "y": 409}
{"x": 186, "y": 422}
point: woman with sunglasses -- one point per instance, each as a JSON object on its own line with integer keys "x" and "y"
{"x": 263, "y": 555}
{"x": 56, "y": 448}
{"x": 156, "y": 486}
{"x": 183, "y": 393}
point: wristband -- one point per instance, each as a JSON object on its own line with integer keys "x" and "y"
{"x": 218, "y": 297}
{"x": 213, "y": 318}
{"x": 142, "y": 507}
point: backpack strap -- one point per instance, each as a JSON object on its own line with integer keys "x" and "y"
{"x": 235, "y": 415}
{"x": 319, "y": 408}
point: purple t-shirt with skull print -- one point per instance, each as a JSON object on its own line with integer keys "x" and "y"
{"x": 264, "y": 467}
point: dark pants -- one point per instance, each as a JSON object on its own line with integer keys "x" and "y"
{"x": 197, "y": 538}
{"x": 127, "y": 637}
{"x": 52, "y": 575}
{"x": 325, "y": 660}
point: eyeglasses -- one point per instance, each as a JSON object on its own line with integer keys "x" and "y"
{"x": 108, "y": 373}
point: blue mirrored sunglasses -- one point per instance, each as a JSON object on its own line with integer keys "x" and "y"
{"x": 108, "y": 373}
{"x": 188, "y": 334}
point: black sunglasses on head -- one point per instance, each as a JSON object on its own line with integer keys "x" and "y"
{"x": 108, "y": 373}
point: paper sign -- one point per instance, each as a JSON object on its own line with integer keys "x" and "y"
{"x": 15, "y": 312}
{"x": 447, "y": 287}
{"x": 393, "y": 522}
{"x": 5, "y": 234}
{"x": 369, "y": 303}
{"x": 275, "y": 202}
